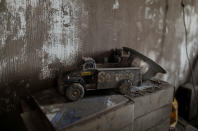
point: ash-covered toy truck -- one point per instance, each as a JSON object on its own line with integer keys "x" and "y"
{"x": 119, "y": 75}
{"x": 74, "y": 84}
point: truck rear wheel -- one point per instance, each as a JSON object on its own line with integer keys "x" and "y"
{"x": 75, "y": 91}
{"x": 125, "y": 87}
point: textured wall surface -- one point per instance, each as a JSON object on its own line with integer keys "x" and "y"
{"x": 37, "y": 37}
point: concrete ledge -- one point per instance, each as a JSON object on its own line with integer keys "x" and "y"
{"x": 152, "y": 119}
{"x": 108, "y": 112}
{"x": 150, "y": 112}
{"x": 162, "y": 126}
{"x": 34, "y": 122}
{"x": 153, "y": 101}
{"x": 114, "y": 120}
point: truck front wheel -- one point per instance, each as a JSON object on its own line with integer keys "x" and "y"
{"x": 74, "y": 92}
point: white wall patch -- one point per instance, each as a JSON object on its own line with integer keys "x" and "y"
{"x": 116, "y": 5}
{"x": 64, "y": 42}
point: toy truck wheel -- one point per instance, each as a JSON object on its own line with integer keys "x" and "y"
{"x": 74, "y": 92}
{"x": 125, "y": 87}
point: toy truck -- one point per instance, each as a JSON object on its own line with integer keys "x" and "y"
{"x": 74, "y": 84}
{"x": 126, "y": 68}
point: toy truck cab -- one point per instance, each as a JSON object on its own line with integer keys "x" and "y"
{"x": 74, "y": 84}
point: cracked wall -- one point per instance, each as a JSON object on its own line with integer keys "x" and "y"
{"x": 38, "y": 37}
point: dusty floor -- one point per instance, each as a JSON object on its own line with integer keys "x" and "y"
{"x": 185, "y": 126}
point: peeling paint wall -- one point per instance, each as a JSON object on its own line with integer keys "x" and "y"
{"x": 175, "y": 59}
{"x": 35, "y": 34}
{"x": 39, "y": 36}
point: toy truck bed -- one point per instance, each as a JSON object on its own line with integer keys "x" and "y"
{"x": 112, "y": 77}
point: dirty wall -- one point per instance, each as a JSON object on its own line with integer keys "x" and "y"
{"x": 37, "y": 37}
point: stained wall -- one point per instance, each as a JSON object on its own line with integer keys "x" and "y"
{"x": 38, "y": 37}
